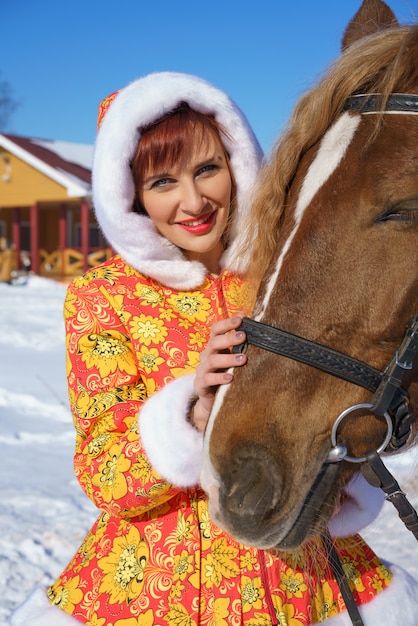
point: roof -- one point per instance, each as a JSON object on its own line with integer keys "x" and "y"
{"x": 68, "y": 164}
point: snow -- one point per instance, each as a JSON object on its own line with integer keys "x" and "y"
{"x": 45, "y": 514}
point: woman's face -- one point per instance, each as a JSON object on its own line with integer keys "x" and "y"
{"x": 190, "y": 204}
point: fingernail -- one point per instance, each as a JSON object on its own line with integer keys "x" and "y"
{"x": 240, "y": 358}
{"x": 239, "y": 336}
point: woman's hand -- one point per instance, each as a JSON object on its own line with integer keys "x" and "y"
{"x": 214, "y": 361}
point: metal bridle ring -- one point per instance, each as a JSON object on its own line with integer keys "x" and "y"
{"x": 355, "y": 407}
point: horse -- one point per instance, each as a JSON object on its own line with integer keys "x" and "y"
{"x": 332, "y": 245}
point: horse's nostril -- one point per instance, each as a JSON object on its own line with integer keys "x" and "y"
{"x": 253, "y": 486}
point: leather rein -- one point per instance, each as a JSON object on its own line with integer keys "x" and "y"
{"x": 390, "y": 399}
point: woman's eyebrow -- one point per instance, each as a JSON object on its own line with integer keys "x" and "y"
{"x": 155, "y": 177}
{"x": 216, "y": 156}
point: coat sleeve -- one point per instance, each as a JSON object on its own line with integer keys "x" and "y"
{"x": 108, "y": 391}
{"x": 173, "y": 446}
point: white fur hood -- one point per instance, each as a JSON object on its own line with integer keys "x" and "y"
{"x": 133, "y": 235}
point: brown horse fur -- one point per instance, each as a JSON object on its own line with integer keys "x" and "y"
{"x": 348, "y": 280}
{"x": 368, "y": 19}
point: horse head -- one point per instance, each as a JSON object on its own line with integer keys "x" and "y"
{"x": 332, "y": 242}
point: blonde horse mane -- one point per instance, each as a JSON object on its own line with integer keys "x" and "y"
{"x": 382, "y": 63}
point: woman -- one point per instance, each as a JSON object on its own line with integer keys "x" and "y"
{"x": 175, "y": 160}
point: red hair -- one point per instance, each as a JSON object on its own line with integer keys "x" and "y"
{"x": 173, "y": 139}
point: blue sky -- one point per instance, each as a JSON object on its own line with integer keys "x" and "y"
{"x": 62, "y": 58}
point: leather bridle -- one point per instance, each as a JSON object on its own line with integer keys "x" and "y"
{"x": 390, "y": 399}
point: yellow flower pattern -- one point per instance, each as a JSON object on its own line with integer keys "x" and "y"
{"x": 193, "y": 307}
{"x": 293, "y": 584}
{"x": 325, "y": 604}
{"x": 108, "y": 351}
{"x": 286, "y": 614}
{"x": 252, "y": 594}
{"x": 148, "y": 295}
{"x": 124, "y": 568}
{"x": 66, "y": 596}
{"x": 148, "y": 329}
{"x": 96, "y": 621}
{"x": 221, "y": 611}
{"x": 111, "y": 475}
{"x": 149, "y": 359}
{"x": 154, "y": 557}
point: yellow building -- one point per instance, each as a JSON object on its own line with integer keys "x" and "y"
{"x": 45, "y": 207}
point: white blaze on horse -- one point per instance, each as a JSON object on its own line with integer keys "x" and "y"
{"x": 333, "y": 243}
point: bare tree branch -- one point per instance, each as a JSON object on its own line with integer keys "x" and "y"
{"x": 8, "y": 104}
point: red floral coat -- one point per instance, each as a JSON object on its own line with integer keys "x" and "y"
{"x": 154, "y": 557}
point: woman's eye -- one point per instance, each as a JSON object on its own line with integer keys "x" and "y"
{"x": 207, "y": 168}
{"x": 161, "y": 182}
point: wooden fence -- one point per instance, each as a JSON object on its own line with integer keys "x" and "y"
{"x": 69, "y": 262}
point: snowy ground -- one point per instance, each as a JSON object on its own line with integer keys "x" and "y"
{"x": 44, "y": 514}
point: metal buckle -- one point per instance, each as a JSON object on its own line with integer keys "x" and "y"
{"x": 338, "y": 452}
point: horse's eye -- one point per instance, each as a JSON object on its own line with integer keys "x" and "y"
{"x": 405, "y": 212}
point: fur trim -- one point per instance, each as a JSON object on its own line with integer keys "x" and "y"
{"x": 132, "y": 235}
{"x": 395, "y": 606}
{"x": 38, "y": 611}
{"x": 173, "y": 446}
{"x": 361, "y": 509}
